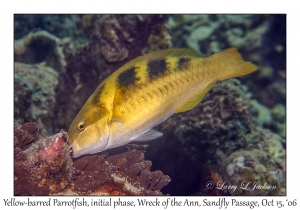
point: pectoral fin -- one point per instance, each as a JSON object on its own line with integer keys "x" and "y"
{"x": 116, "y": 122}
{"x": 148, "y": 136}
{"x": 195, "y": 99}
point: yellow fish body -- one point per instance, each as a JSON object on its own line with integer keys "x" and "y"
{"x": 145, "y": 92}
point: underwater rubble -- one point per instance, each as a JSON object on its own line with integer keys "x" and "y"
{"x": 236, "y": 134}
{"x": 44, "y": 166}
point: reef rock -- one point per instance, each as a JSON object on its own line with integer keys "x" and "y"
{"x": 34, "y": 95}
{"x": 43, "y": 166}
{"x": 41, "y": 46}
{"x": 259, "y": 169}
{"x": 120, "y": 174}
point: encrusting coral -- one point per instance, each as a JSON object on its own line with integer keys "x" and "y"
{"x": 43, "y": 166}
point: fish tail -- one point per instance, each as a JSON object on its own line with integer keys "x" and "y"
{"x": 234, "y": 64}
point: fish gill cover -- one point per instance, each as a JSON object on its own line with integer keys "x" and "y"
{"x": 236, "y": 133}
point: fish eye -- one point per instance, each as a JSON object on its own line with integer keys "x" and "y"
{"x": 80, "y": 126}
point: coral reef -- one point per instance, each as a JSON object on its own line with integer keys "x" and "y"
{"x": 211, "y": 33}
{"x": 43, "y": 166}
{"x": 67, "y": 25}
{"x": 41, "y": 47}
{"x": 34, "y": 95}
{"x": 273, "y": 119}
{"x": 259, "y": 170}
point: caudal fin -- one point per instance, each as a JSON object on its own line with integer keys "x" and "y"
{"x": 233, "y": 63}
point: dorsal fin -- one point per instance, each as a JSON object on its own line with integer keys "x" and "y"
{"x": 195, "y": 99}
{"x": 171, "y": 52}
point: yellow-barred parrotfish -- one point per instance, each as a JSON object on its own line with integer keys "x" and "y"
{"x": 145, "y": 92}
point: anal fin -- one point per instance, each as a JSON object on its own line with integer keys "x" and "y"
{"x": 195, "y": 100}
{"x": 148, "y": 136}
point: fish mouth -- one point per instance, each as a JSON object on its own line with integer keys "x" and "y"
{"x": 75, "y": 153}
{"x": 78, "y": 152}
{"x": 71, "y": 149}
